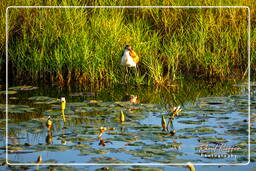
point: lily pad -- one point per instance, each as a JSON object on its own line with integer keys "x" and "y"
{"x": 136, "y": 144}
{"x": 51, "y": 112}
{"x": 197, "y": 130}
{"x": 79, "y": 139}
{"x": 43, "y": 100}
{"x": 183, "y": 136}
{"x": 93, "y": 152}
{"x": 18, "y": 108}
{"x": 8, "y": 92}
{"x": 212, "y": 139}
{"x": 142, "y": 168}
{"x": 23, "y": 88}
{"x": 192, "y": 121}
{"x": 31, "y": 124}
{"x": 81, "y": 146}
{"x": 53, "y": 147}
{"x": 105, "y": 160}
{"x": 59, "y": 167}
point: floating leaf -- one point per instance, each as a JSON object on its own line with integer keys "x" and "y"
{"x": 43, "y": 100}
{"x": 18, "y": 108}
{"x": 105, "y": 160}
{"x": 212, "y": 139}
{"x": 23, "y": 88}
{"x": 142, "y": 168}
{"x": 192, "y": 121}
{"x": 8, "y": 92}
{"x": 93, "y": 152}
{"x": 53, "y": 147}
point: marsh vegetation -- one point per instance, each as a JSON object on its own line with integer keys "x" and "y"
{"x": 85, "y": 46}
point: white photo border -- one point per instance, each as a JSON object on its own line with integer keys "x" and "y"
{"x": 132, "y": 164}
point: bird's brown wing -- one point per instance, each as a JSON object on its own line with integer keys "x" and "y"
{"x": 134, "y": 56}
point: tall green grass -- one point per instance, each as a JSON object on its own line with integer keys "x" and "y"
{"x": 85, "y": 45}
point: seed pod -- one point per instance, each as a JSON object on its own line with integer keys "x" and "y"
{"x": 39, "y": 160}
{"x": 122, "y": 117}
{"x": 63, "y": 103}
{"x": 48, "y": 123}
{"x": 163, "y": 122}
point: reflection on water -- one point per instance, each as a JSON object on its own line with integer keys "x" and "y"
{"x": 98, "y": 126}
{"x": 48, "y": 138}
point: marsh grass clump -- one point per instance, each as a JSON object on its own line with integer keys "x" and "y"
{"x": 85, "y": 45}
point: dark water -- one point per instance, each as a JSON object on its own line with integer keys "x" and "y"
{"x": 214, "y": 115}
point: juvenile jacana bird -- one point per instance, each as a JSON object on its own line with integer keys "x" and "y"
{"x": 49, "y": 123}
{"x": 129, "y": 58}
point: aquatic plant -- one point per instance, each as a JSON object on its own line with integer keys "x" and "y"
{"x": 163, "y": 122}
{"x": 49, "y": 123}
{"x": 175, "y": 112}
{"x": 39, "y": 160}
{"x": 191, "y": 166}
{"x": 103, "y": 129}
{"x": 63, "y": 103}
{"x": 140, "y": 136}
{"x": 121, "y": 116}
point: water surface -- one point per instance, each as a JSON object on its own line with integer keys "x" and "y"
{"x": 214, "y": 114}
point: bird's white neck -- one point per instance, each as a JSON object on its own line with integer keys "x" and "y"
{"x": 126, "y": 52}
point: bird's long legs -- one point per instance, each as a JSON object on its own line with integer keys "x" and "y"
{"x": 136, "y": 74}
{"x": 126, "y": 74}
